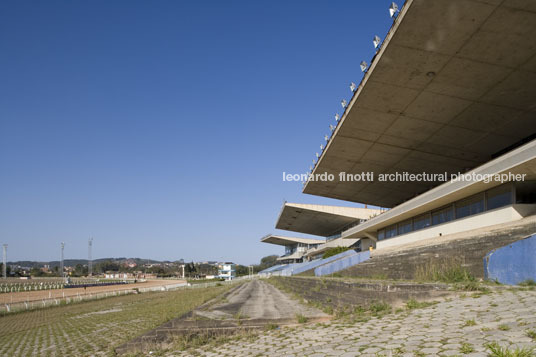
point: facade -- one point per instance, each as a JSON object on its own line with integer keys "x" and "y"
{"x": 440, "y": 134}
{"x": 227, "y": 271}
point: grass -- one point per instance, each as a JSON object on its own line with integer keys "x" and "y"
{"x": 447, "y": 270}
{"x": 466, "y": 348}
{"x": 497, "y": 351}
{"x": 301, "y": 319}
{"x": 528, "y": 282}
{"x": 412, "y": 304}
{"x": 531, "y": 334}
{"x": 504, "y": 327}
{"x": 95, "y": 327}
{"x": 471, "y": 322}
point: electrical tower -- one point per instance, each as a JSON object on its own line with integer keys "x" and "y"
{"x": 89, "y": 258}
{"x": 4, "y": 266}
{"x": 61, "y": 261}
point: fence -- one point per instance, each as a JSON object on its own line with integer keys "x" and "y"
{"x": 342, "y": 264}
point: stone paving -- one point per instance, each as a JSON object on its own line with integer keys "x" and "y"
{"x": 460, "y": 326}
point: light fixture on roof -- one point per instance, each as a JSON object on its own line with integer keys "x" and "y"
{"x": 326, "y": 137}
{"x": 321, "y": 146}
{"x": 314, "y": 162}
{"x": 353, "y": 87}
{"x": 310, "y": 168}
{"x": 331, "y": 127}
{"x": 376, "y": 41}
{"x": 337, "y": 116}
{"x": 317, "y": 155}
{"x": 393, "y": 9}
{"x": 344, "y": 104}
{"x": 363, "y": 66}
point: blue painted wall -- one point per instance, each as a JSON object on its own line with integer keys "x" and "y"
{"x": 513, "y": 263}
{"x": 342, "y": 264}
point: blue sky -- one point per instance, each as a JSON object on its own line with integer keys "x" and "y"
{"x": 162, "y": 129}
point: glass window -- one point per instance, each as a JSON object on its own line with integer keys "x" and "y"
{"x": 405, "y": 227}
{"x": 499, "y": 196}
{"x": 381, "y": 234}
{"x": 442, "y": 215}
{"x": 390, "y": 231}
{"x": 470, "y": 206}
{"x": 421, "y": 222}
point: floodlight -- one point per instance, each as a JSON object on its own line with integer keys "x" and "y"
{"x": 331, "y": 127}
{"x": 393, "y": 9}
{"x": 376, "y": 41}
{"x": 310, "y": 168}
{"x": 337, "y": 117}
{"x": 344, "y": 103}
{"x": 317, "y": 155}
{"x": 321, "y": 146}
{"x": 314, "y": 161}
{"x": 326, "y": 137}
{"x": 363, "y": 66}
{"x": 353, "y": 87}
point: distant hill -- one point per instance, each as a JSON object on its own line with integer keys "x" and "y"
{"x": 74, "y": 262}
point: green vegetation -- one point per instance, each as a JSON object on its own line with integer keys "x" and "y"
{"x": 334, "y": 251}
{"x": 504, "y": 327}
{"x": 414, "y": 304}
{"x": 448, "y": 270}
{"x": 528, "y": 282}
{"x": 531, "y": 334}
{"x": 301, "y": 319}
{"x": 471, "y": 322}
{"x": 497, "y": 351}
{"x": 466, "y": 348}
{"x": 95, "y": 327}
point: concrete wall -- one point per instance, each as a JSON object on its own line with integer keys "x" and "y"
{"x": 513, "y": 263}
{"x": 484, "y": 219}
{"x": 469, "y": 251}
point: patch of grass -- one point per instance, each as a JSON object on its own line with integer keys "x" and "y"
{"x": 380, "y": 308}
{"x": 419, "y": 354}
{"x": 447, "y": 270}
{"x": 270, "y": 327}
{"x": 301, "y": 319}
{"x": 414, "y": 304}
{"x": 471, "y": 322}
{"x": 466, "y": 348}
{"x": 334, "y": 251}
{"x": 528, "y": 282}
{"x": 497, "y": 351}
{"x": 504, "y": 327}
{"x": 66, "y": 328}
{"x": 531, "y": 334}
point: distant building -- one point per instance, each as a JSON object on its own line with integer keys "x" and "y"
{"x": 227, "y": 271}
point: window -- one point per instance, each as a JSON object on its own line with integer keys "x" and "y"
{"x": 390, "y": 231}
{"x": 442, "y": 215}
{"x": 405, "y": 227}
{"x": 470, "y": 206}
{"x": 381, "y": 234}
{"x": 421, "y": 222}
{"x": 499, "y": 196}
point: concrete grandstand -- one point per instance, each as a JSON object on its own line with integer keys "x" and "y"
{"x": 450, "y": 93}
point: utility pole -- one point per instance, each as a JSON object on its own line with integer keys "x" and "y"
{"x": 4, "y": 267}
{"x": 61, "y": 260}
{"x": 89, "y": 258}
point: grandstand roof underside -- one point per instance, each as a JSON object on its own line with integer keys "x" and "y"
{"x": 453, "y": 84}
{"x": 283, "y": 240}
{"x": 319, "y": 220}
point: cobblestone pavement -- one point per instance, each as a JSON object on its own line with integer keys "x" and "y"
{"x": 461, "y": 326}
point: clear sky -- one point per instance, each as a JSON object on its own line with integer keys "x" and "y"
{"x": 162, "y": 128}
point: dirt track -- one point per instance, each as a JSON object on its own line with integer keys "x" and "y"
{"x": 8, "y": 298}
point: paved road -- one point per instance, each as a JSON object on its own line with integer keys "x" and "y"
{"x": 439, "y": 330}
{"x": 258, "y": 300}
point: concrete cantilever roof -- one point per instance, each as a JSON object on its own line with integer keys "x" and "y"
{"x": 320, "y": 220}
{"x": 282, "y": 240}
{"x": 452, "y": 85}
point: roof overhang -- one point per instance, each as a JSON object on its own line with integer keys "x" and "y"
{"x": 295, "y": 255}
{"x": 452, "y": 85}
{"x": 519, "y": 161}
{"x": 282, "y": 240}
{"x": 320, "y": 220}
